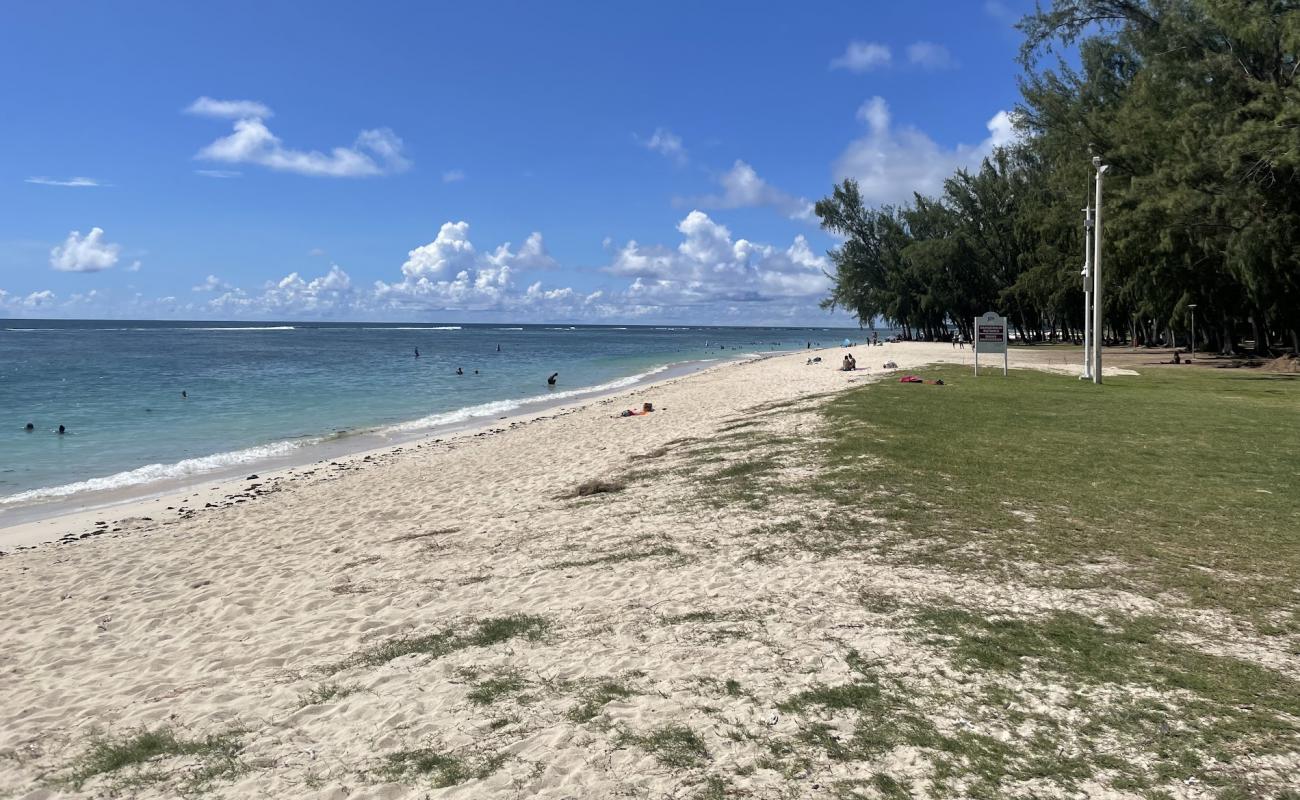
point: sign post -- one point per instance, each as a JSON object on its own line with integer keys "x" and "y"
{"x": 990, "y": 337}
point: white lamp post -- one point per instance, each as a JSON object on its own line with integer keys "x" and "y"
{"x": 1191, "y": 347}
{"x": 1097, "y": 301}
{"x": 1087, "y": 293}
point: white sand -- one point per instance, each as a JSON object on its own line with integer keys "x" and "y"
{"x": 222, "y": 619}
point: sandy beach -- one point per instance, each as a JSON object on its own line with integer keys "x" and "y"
{"x": 560, "y": 632}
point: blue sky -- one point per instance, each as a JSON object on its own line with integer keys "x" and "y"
{"x": 483, "y": 161}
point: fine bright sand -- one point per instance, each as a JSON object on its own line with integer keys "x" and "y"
{"x": 262, "y": 618}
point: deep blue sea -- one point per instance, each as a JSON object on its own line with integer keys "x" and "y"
{"x": 264, "y": 391}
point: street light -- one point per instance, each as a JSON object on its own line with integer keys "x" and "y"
{"x": 1097, "y": 303}
{"x": 1087, "y": 293}
{"x": 1191, "y": 347}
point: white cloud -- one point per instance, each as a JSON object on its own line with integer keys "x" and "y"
{"x": 74, "y": 182}
{"x": 331, "y": 294}
{"x": 709, "y": 267}
{"x": 449, "y": 273}
{"x": 929, "y": 55}
{"x": 39, "y": 299}
{"x": 891, "y": 162}
{"x": 135, "y": 266}
{"x": 743, "y": 188}
{"x": 316, "y": 251}
{"x": 375, "y": 152}
{"x": 228, "y": 109}
{"x": 84, "y": 254}
{"x": 665, "y": 143}
{"x": 998, "y": 10}
{"x": 218, "y": 173}
{"x": 863, "y": 56}
{"x": 211, "y": 284}
{"x": 453, "y": 175}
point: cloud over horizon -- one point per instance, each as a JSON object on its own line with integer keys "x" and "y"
{"x": 89, "y": 253}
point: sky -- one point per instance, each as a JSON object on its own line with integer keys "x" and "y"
{"x": 487, "y": 161}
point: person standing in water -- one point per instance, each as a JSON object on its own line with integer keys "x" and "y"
{"x": 417, "y": 352}
{"x": 551, "y": 380}
{"x": 185, "y": 395}
{"x": 62, "y": 430}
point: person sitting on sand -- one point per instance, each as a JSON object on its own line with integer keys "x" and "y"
{"x": 646, "y": 408}
{"x": 551, "y": 380}
{"x": 850, "y": 363}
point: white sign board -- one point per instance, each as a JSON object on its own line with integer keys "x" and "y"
{"x": 990, "y": 337}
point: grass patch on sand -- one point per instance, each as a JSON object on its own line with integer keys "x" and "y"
{"x": 672, "y": 745}
{"x": 485, "y": 632}
{"x": 438, "y": 768}
{"x": 1239, "y": 710}
{"x": 326, "y": 692}
{"x": 592, "y": 700}
{"x": 502, "y": 685}
{"x": 619, "y": 556}
{"x": 125, "y": 758}
{"x": 1172, "y": 481}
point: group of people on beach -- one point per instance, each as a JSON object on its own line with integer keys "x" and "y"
{"x": 850, "y": 363}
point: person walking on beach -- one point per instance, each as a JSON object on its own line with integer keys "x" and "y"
{"x": 551, "y": 380}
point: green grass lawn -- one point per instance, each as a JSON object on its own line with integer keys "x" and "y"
{"x": 1184, "y": 481}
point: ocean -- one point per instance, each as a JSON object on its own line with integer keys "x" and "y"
{"x": 266, "y": 394}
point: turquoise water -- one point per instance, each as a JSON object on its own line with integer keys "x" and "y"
{"x": 265, "y": 391}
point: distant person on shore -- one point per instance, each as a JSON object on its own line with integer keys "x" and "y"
{"x": 62, "y": 430}
{"x": 30, "y": 427}
{"x": 551, "y": 380}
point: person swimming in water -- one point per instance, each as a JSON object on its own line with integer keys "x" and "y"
{"x": 460, "y": 371}
{"x": 62, "y": 430}
{"x": 417, "y": 352}
{"x": 185, "y": 395}
{"x": 30, "y": 427}
{"x": 551, "y": 380}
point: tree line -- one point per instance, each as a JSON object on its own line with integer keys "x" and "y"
{"x": 1195, "y": 106}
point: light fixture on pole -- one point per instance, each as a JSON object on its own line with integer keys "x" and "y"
{"x": 1191, "y": 346}
{"x": 1087, "y": 293}
{"x": 1097, "y": 300}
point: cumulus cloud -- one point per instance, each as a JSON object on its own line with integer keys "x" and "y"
{"x": 375, "y": 152}
{"x": 77, "y": 182}
{"x": 863, "y": 57}
{"x": 328, "y": 295}
{"x": 743, "y": 188}
{"x": 449, "y": 273}
{"x": 84, "y": 254}
{"x": 891, "y": 162}
{"x": 929, "y": 55}
{"x": 709, "y": 267}
{"x": 453, "y": 175}
{"x": 228, "y": 109}
{"x": 665, "y": 143}
{"x": 211, "y": 284}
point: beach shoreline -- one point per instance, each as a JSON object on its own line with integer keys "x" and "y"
{"x": 47, "y": 521}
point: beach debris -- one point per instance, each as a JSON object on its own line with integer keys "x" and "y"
{"x": 597, "y": 486}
